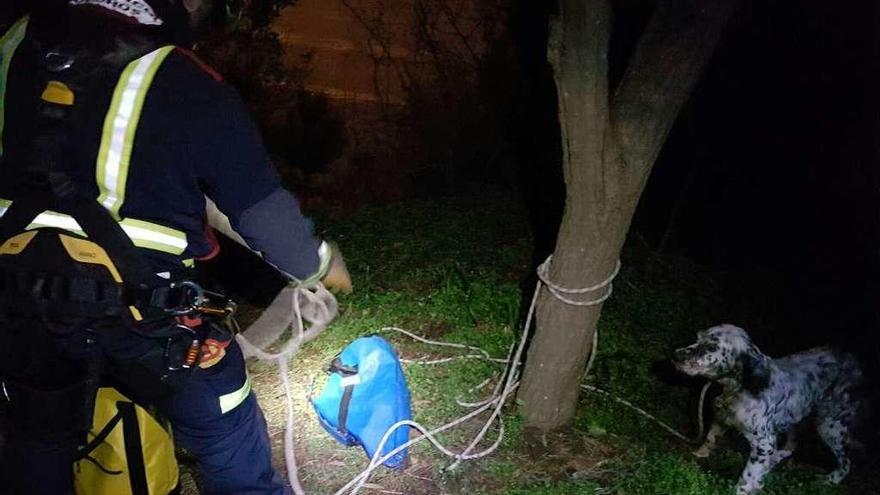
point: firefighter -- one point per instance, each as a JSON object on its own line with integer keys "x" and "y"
{"x": 99, "y": 100}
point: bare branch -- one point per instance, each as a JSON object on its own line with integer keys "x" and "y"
{"x": 666, "y": 65}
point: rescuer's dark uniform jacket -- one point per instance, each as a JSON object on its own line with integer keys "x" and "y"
{"x": 147, "y": 131}
{"x": 193, "y": 137}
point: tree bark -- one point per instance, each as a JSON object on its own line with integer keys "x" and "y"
{"x": 608, "y": 152}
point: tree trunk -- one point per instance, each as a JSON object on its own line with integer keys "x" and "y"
{"x": 608, "y": 151}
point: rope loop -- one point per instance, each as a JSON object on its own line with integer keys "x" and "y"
{"x": 560, "y": 292}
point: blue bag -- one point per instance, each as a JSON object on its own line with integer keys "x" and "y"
{"x": 366, "y": 394}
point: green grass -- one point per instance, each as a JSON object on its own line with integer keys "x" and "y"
{"x": 556, "y": 488}
{"x": 452, "y": 270}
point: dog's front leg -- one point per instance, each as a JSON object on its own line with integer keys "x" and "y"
{"x": 760, "y": 463}
{"x": 715, "y": 431}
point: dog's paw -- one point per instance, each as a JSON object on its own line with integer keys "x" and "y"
{"x": 748, "y": 488}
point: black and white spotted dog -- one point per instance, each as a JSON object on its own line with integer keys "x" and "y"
{"x": 764, "y": 398}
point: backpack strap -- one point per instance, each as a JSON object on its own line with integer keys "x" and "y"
{"x": 345, "y": 372}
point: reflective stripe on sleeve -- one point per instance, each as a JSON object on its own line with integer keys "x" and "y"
{"x": 154, "y": 236}
{"x": 8, "y": 44}
{"x": 325, "y": 255}
{"x": 117, "y": 140}
{"x": 232, "y": 400}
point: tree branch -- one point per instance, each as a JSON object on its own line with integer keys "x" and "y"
{"x": 666, "y": 65}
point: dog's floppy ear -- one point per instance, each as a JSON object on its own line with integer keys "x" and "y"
{"x": 755, "y": 373}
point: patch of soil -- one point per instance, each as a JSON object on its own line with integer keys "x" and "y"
{"x": 565, "y": 454}
{"x": 433, "y": 330}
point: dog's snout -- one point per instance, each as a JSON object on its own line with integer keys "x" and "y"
{"x": 680, "y": 355}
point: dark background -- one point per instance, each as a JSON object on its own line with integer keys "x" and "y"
{"x": 770, "y": 174}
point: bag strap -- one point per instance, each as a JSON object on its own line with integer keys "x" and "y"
{"x": 134, "y": 452}
{"x": 344, "y": 371}
{"x": 343, "y": 408}
{"x": 102, "y": 435}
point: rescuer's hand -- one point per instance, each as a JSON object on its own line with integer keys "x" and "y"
{"x": 337, "y": 278}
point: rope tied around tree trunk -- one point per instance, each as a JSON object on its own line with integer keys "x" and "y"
{"x": 560, "y": 292}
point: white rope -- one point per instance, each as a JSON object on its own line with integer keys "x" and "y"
{"x": 321, "y": 312}
{"x": 483, "y": 355}
{"x": 557, "y": 292}
{"x": 358, "y": 481}
{"x": 289, "y": 455}
{"x": 290, "y": 310}
{"x": 650, "y": 416}
{"x": 498, "y": 400}
{"x": 501, "y": 394}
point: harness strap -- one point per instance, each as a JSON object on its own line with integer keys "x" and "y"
{"x": 88, "y": 296}
{"x": 144, "y": 234}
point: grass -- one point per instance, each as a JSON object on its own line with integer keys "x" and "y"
{"x": 453, "y": 270}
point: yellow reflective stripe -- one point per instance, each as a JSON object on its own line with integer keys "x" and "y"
{"x": 154, "y": 236}
{"x": 144, "y": 234}
{"x": 232, "y": 400}
{"x": 120, "y": 125}
{"x": 8, "y": 44}
{"x": 189, "y": 262}
{"x": 56, "y": 220}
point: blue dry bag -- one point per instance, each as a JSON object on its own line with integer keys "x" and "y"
{"x": 366, "y": 394}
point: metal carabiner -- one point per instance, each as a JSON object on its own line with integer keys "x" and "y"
{"x": 193, "y": 297}
{"x": 191, "y": 357}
